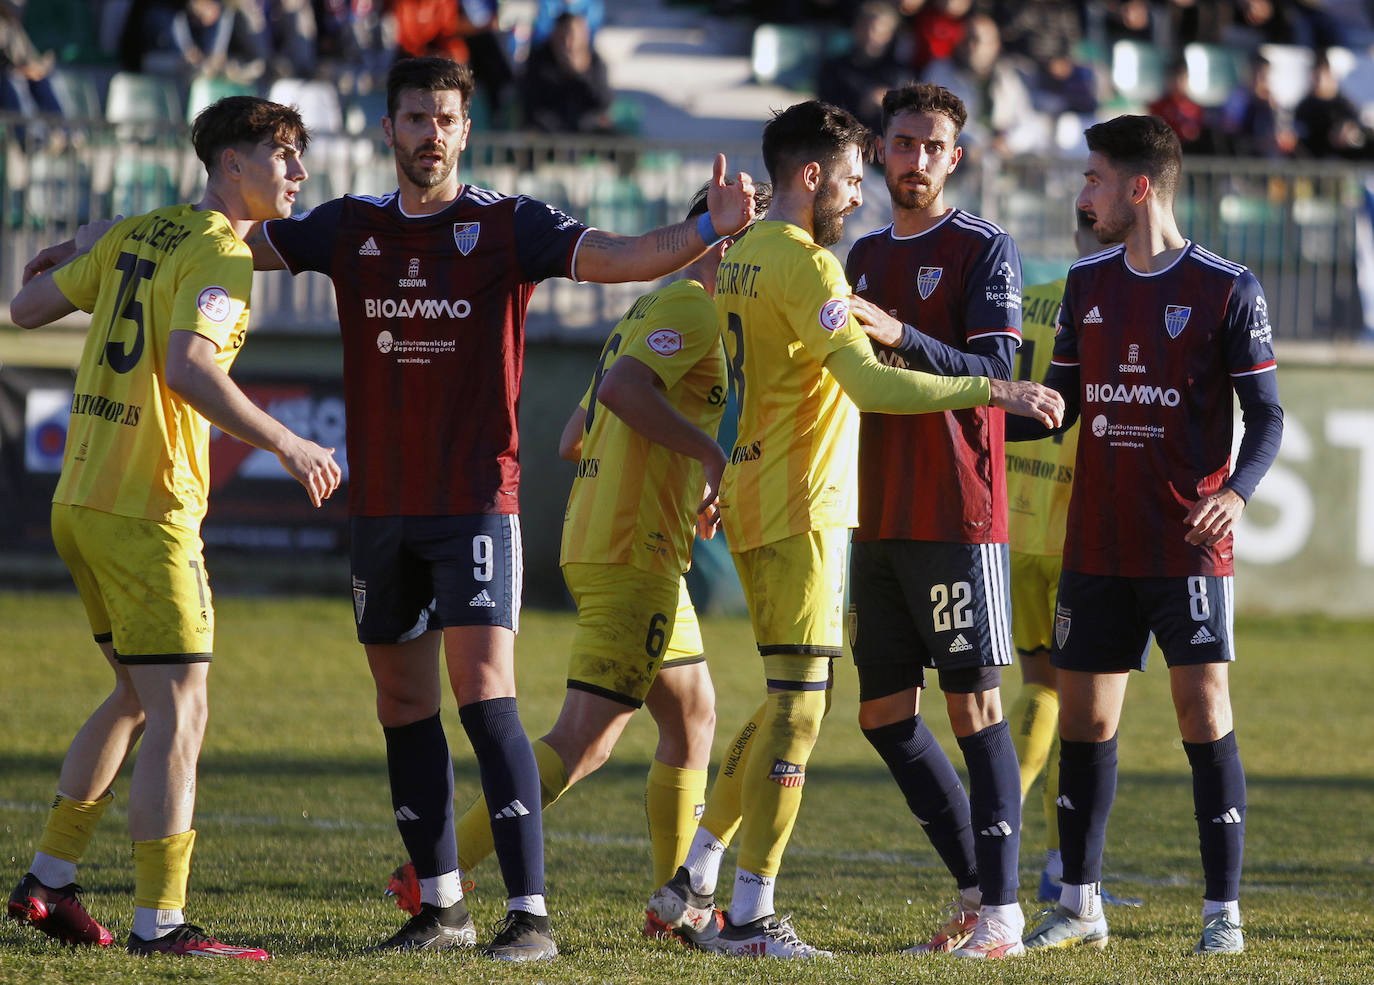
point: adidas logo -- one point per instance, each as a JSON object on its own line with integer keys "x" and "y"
{"x": 1065, "y": 802}
{"x": 1202, "y": 636}
{"x": 960, "y": 644}
{"x": 512, "y": 810}
{"x": 1093, "y": 317}
{"x": 1232, "y": 816}
{"x": 404, "y": 813}
{"x": 482, "y": 600}
{"x": 369, "y": 249}
{"x": 999, "y": 830}
{"x": 862, "y": 285}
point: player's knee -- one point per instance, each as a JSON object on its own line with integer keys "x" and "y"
{"x": 798, "y": 715}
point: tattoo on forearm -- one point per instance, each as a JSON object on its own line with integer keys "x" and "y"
{"x": 673, "y": 239}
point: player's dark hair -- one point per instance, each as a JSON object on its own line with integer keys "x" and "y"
{"x": 236, "y": 120}
{"x": 1140, "y": 145}
{"x": 429, "y": 74}
{"x": 763, "y": 197}
{"x": 811, "y": 131}
{"x": 925, "y": 97}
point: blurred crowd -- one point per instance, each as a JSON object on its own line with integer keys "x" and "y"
{"x": 1021, "y": 65}
{"x": 544, "y": 75}
{"x": 1024, "y": 68}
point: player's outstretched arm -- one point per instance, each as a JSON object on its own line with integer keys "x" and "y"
{"x": 633, "y": 392}
{"x": 609, "y": 258}
{"x": 193, "y": 375}
{"x": 880, "y": 389}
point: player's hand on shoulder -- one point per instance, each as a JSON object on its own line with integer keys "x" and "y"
{"x": 881, "y": 327}
{"x": 313, "y": 466}
{"x": 1213, "y": 517}
{"x": 1028, "y": 399}
{"x": 731, "y": 205}
{"x": 89, "y": 234}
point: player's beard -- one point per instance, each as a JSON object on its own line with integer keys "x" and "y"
{"x": 913, "y": 199}
{"x": 1113, "y": 227}
{"x": 424, "y": 177}
{"x": 827, "y": 218}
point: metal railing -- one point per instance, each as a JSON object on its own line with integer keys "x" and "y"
{"x": 1292, "y": 223}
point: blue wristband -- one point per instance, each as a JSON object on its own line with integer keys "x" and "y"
{"x": 707, "y": 230}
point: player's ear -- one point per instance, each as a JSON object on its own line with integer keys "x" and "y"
{"x": 1140, "y": 188}
{"x": 386, "y": 132}
{"x": 955, "y": 157}
{"x": 811, "y": 175}
{"x": 879, "y": 150}
{"x": 229, "y": 162}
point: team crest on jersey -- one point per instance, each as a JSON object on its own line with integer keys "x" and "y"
{"x": 665, "y": 341}
{"x": 926, "y": 279}
{"x": 1175, "y": 317}
{"x": 1062, "y": 618}
{"x": 835, "y": 314}
{"x": 465, "y": 236}
{"x": 787, "y": 774}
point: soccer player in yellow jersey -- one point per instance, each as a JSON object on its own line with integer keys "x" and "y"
{"x": 802, "y": 369}
{"x": 1039, "y": 480}
{"x": 643, "y": 438}
{"x": 168, "y": 294}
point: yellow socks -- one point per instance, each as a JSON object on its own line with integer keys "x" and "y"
{"x": 722, "y": 815}
{"x": 70, "y": 826}
{"x": 1034, "y": 722}
{"x": 161, "y": 868}
{"x": 674, "y": 799}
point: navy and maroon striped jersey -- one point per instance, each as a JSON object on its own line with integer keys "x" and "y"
{"x": 432, "y": 316}
{"x": 1155, "y": 356}
{"x": 938, "y": 477}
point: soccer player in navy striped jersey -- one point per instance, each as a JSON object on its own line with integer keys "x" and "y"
{"x": 1154, "y": 337}
{"x": 432, "y": 283}
{"x": 940, "y": 290}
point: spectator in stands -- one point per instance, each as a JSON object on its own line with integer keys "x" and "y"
{"x": 1327, "y": 123}
{"x": 565, "y": 88}
{"x": 1038, "y": 29}
{"x": 1065, "y": 85}
{"x": 292, "y": 38}
{"x": 936, "y": 30}
{"x": 1129, "y": 20}
{"x": 463, "y": 30}
{"x": 1252, "y": 123}
{"x": 147, "y": 33}
{"x": 216, "y": 39}
{"x": 995, "y": 90}
{"x": 1184, "y": 116}
{"x": 857, "y": 79}
{"x": 25, "y": 73}
{"x": 546, "y": 15}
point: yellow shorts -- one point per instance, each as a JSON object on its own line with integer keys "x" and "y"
{"x": 1034, "y": 585}
{"x": 795, "y": 591}
{"x": 629, "y": 624}
{"x": 142, "y": 582}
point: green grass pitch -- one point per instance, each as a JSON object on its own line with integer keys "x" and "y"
{"x": 296, "y": 835}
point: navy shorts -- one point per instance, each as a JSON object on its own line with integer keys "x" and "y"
{"x": 1103, "y": 623}
{"x": 917, "y": 604}
{"x": 413, "y": 574}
